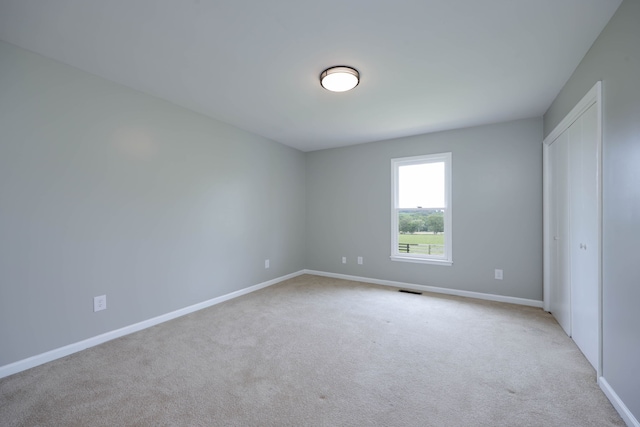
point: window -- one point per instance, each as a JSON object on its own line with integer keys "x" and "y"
{"x": 421, "y": 209}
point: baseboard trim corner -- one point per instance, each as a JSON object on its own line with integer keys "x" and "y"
{"x": 434, "y": 289}
{"x": 33, "y": 361}
{"x": 617, "y": 403}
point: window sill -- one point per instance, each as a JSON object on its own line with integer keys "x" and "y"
{"x": 416, "y": 260}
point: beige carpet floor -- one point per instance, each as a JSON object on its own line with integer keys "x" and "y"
{"x": 314, "y": 351}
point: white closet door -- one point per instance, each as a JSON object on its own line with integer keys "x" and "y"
{"x": 573, "y": 292}
{"x": 583, "y": 183}
{"x": 559, "y": 222}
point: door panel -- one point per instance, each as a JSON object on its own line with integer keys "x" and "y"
{"x": 584, "y": 241}
{"x": 559, "y": 217}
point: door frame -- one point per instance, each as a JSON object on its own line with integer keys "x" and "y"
{"x": 594, "y": 96}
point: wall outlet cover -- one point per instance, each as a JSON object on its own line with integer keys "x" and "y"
{"x": 100, "y": 303}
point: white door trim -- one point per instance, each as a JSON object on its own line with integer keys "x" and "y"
{"x": 594, "y": 96}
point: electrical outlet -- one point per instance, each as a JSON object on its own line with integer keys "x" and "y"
{"x": 100, "y": 303}
{"x": 498, "y": 274}
{"x": 344, "y": 259}
{"x": 266, "y": 263}
{"x": 360, "y": 260}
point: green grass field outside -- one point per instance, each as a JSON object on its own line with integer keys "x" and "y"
{"x": 434, "y": 239}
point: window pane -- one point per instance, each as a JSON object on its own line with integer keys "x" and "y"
{"x": 421, "y": 186}
{"x": 421, "y": 232}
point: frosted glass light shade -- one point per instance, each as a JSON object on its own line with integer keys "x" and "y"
{"x": 339, "y": 79}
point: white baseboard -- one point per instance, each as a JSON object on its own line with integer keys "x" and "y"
{"x": 424, "y": 288}
{"x": 617, "y": 403}
{"x": 57, "y": 353}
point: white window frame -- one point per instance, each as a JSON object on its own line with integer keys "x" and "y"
{"x": 396, "y": 255}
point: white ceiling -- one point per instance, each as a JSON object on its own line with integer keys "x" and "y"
{"x": 425, "y": 65}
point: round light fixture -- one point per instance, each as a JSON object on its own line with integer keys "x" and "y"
{"x": 339, "y": 79}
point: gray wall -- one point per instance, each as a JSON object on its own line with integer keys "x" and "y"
{"x": 104, "y": 190}
{"x": 615, "y": 59}
{"x": 497, "y": 209}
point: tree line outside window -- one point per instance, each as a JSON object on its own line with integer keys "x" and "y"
{"x": 410, "y": 222}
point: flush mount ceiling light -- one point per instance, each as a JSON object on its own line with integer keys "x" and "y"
{"x": 339, "y": 79}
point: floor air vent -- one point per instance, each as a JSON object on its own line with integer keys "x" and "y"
{"x": 410, "y": 292}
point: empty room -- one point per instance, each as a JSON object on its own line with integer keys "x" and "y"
{"x": 296, "y": 213}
